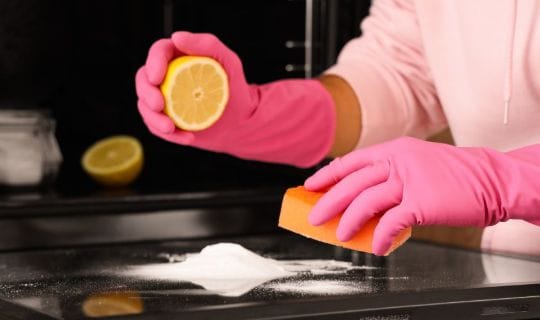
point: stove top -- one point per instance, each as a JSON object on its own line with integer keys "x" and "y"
{"x": 418, "y": 281}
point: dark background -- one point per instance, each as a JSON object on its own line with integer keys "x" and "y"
{"x": 77, "y": 58}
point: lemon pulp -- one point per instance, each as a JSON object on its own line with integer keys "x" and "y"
{"x": 196, "y": 91}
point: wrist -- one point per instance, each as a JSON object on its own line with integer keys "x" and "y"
{"x": 348, "y": 115}
{"x": 292, "y": 122}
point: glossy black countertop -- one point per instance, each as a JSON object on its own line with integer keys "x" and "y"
{"x": 418, "y": 281}
{"x": 108, "y": 216}
{"x": 31, "y": 203}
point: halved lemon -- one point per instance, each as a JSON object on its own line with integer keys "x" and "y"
{"x": 114, "y": 161}
{"x": 196, "y": 91}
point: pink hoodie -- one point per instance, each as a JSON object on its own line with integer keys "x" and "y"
{"x": 472, "y": 65}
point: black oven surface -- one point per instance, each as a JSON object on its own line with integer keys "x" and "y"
{"x": 419, "y": 281}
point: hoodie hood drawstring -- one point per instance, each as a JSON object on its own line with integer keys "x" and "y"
{"x": 507, "y": 91}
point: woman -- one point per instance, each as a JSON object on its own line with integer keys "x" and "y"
{"x": 419, "y": 67}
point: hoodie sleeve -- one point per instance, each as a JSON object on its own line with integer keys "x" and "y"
{"x": 389, "y": 74}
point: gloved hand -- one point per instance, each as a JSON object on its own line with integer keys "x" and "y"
{"x": 413, "y": 182}
{"x": 289, "y": 121}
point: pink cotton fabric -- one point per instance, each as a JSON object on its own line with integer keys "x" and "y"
{"x": 472, "y": 65}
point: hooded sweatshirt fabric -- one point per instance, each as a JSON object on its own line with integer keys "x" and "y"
{"x": 472, "y": 65}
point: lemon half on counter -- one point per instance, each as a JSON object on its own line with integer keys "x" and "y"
{"x": 114, "y": 161}
{"x": 196, "y": 91}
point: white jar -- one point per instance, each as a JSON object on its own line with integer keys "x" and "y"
{"x": 29, "y": 153}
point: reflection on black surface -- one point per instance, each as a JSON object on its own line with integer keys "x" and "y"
{"x": 92, "y": 281}
{"x": 115, "y": 303}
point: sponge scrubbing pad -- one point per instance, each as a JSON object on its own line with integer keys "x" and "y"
{"x": 295, "y": 208}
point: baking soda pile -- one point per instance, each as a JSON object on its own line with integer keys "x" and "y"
{"x": 229, "y": 269}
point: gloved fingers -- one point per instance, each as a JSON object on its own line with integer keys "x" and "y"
{"x": 327, "y": 176}
{"x": 370, "y": 203}
{"x": 157, "y": 120}
{"x": 208, "y": 45}
{"x": 178, "y": 136}
{"x": 342, "y": 194}
{"x": 389, "y": 226}
{"x": 148, "y": 93}
{"x": 159, "y": 55}
{"x": 339, "y": 168}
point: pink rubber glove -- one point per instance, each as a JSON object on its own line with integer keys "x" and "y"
{"x": 290, "y": 121}
{"x": 414, "y": 182}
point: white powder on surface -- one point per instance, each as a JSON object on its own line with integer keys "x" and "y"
{"x": 320, "y": 267}
{"x": 387, "y": 278}
{"x": 172, "y": 257}
{"x": 225, "y": 268}
{"x": 318, "y": 287}
{"x": 229, "y": 269}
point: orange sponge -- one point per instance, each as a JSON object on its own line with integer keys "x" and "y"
{"x": 295, "y": 208}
